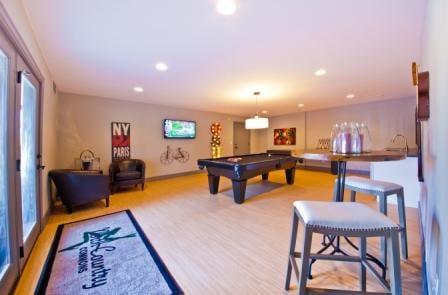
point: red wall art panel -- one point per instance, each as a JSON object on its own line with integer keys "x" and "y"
{"x": 121, "y": 141}
{"x": 285, "y": 136}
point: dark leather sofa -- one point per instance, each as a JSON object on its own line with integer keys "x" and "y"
{"x": 75, "y": 187}
{"x": 127, "y": 172}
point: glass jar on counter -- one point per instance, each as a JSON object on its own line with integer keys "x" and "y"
{"x": 335, "y": 138}
{"x": 348, "y": 139}
{"x": 356, "y": 138}
{"x": 366, "y": 140}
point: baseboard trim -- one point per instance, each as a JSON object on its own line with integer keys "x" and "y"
{"x": 310, "y": 168}
{"x": 45, "y": 219}
{"x": 425, "y": 289}
{"x": 168, "y": 176}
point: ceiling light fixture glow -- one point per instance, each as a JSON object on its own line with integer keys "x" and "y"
{"x": 138, "y": 89}
{"x": 264, "y": 112}
{"x": 350, "y": 96}
{"x": 226, "y": 7}
{"x": 257, "y": 122}
{"x": 160, "y": 66}
{"x": 320, "y": 72}
{"x": 300, "y": 105}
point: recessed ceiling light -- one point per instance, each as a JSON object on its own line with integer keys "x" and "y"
{"x": 226, "y": 7}
{"x": 160, "y": 66}
{"x": 320, "y": 72}
{"x": 300, "y": 105}
{"x": 138, "y": 89}
{"x": 264, "y": 112}
{"x": 350, "y": 96}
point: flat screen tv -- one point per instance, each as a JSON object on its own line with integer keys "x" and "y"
{"x": 179, "y": 129}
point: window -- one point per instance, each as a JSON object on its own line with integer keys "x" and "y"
{"x": 4, "y": 220}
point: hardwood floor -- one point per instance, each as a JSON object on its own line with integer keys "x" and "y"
{"x": 213, "y": 246}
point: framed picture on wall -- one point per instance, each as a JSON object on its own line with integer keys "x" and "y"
{"x": 121, "y": 140}
{"x": 285, "y": 136}
{"x": 422, "y": 112}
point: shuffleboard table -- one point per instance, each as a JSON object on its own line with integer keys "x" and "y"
{"x": 240, "y": 168}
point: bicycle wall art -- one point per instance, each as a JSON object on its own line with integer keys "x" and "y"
{"x": 178, "y": 154}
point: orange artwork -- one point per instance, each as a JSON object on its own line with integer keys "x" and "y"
{"x": 285, "y": 136}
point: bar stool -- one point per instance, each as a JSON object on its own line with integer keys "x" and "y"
{"x": 382, "y": 190}
{"x": 342, "y": 219}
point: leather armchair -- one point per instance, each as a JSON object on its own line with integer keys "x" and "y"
{"x": 127, "y": 172}
{"x": 80, "y": 187}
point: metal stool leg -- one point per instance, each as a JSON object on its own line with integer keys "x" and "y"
{"x": 383, "y": 247}
{"x": 395, "y": 271}
{"x": 292, "y": 247}
{"x": 305, "y": 263}
{"x": 362, "y": 271}
{"x": 402, "y": 218}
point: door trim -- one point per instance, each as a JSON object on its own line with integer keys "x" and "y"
{"x": 27, "y": 246}
{"x": 11, "y": 275}
{"x": 11, "y": 32}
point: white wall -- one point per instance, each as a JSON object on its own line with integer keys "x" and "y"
{"x": 84, "y": 123}
{"x": 296, "y": 120}
{"x": 402, "y": 172}
{"x": 258, "y": 143}
{"x": 18, "y": 14}
{"x": 434, "y": 193}
{"x": 385, "y": 119}
{"x": 263, "y": 139}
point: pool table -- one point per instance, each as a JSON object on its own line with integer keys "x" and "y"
{"x": 240, "y": 168}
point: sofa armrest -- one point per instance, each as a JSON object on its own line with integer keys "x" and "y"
{"x": 84, "y": 188}
{"x": 141, "y": 166}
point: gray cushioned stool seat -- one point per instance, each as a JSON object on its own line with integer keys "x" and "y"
{"x": 382, "y": 190}
{"x": 343, "y": 216}
{"x": 370, "y": 184}
{"x": 336, "y": 219}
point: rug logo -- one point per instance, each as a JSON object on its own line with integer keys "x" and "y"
{"x": 96, "y": 241}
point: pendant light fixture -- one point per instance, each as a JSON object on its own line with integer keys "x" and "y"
{"x": 226, "y": 7}
{"x": 257, "y": 122}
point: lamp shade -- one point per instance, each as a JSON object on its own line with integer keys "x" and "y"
{"x": 257, "y": 123}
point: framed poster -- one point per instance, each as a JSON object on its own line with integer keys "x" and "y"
{"x": 121, "y": 140}
{"x": 285, "y": 136}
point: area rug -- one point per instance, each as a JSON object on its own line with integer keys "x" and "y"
{"x": 108, "y": 254}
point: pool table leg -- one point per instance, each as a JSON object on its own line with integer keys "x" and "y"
{"x": 239, "y": 190}
{"x": 213, "y": 184}
{"x": 290, "y": 174}
{"x": 265, "y": 176}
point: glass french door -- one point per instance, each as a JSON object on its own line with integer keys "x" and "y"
{"x": 5, "y": 250}
{"x": 19, "y": 163}
{"x": 27, "y": 131}
{"x": 9, "y": 251}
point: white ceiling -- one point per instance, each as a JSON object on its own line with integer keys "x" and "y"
{"x": 105, "y": 48}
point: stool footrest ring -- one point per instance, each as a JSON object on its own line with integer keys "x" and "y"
{"x": 322, "y": 291}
